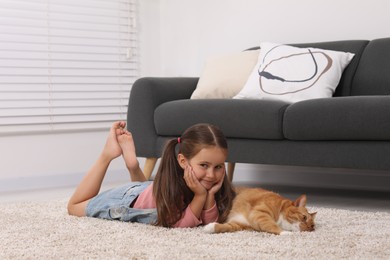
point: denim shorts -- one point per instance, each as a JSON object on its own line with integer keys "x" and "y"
{"x": 114, "y": 204}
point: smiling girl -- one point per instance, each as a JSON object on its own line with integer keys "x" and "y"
{"x": 190, "y": 187}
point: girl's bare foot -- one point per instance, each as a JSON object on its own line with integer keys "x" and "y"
{"x": 112, "y": 148}
{"x": 126, "y": 142}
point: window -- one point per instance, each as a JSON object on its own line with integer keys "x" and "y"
{"x": 66, "y": 65}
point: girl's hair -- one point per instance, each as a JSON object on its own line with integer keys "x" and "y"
{"x": 170, "y": 190}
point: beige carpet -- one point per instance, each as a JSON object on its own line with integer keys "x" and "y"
{"x": 45, "y": 231}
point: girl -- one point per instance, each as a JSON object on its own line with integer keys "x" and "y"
{"x": 190, "y": 187}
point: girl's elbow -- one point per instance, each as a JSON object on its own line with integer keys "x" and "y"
{"x": 75, "y": 210}
{"x": 70, "y": 208}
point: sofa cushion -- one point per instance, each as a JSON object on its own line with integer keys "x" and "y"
{"x": 294, "y": 74}
{"x": 259, "y": 119}
{"x": 341, "y": 118}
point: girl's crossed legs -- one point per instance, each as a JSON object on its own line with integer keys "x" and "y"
{"x": 119, "y": 142}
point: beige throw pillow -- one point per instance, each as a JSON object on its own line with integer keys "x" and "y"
{"x": 225, "y": 76}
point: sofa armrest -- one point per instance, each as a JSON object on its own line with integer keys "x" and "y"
{"x": 145, "y": 96}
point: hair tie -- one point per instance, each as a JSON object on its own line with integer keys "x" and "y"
{"x": 178, "y": 140}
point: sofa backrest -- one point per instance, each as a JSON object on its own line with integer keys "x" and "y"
{"x": 354, "y": 46}
{"x": 372, "y": 76}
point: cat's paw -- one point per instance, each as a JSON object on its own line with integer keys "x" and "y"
{"x": 210, "y": 228}
{"x": 285, "y": 233}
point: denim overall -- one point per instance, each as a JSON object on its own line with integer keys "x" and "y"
{"x": 114, "y": 204}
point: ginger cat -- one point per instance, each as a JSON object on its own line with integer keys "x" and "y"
{"x": 261, "y": 210}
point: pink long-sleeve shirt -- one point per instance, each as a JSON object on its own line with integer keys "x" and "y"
{"x": 146, "y": 201}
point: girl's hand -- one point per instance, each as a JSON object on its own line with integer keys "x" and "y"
{"x": 218, "y": 185}
{"x": 192, "y": 182}
{"x": 210, "y": 199}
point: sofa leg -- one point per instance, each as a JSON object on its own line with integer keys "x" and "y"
{"x": 149, "y": 166}
{"x": 230, "y": 170}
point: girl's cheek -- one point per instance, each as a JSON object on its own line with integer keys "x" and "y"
{"x": 220, "y": 173}
{"x": 198, "y": 173}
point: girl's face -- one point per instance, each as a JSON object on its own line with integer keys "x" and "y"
{"x": 209, "y": 166}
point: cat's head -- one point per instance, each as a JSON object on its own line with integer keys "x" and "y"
{"x": 299, "y": 214}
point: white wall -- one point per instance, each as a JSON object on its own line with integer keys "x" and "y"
{"x": 192, "y": 30}
{"x": 177, "y": 36}
{"x": 52, "y": 160}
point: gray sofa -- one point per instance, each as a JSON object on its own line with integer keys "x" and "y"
{"x": 349, "y": 130}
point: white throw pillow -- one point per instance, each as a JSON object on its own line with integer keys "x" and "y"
{"x": 294, "y": 74}
{"x": 225, "y": 76}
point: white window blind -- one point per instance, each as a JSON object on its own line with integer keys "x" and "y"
{"x": 66, "y": 65}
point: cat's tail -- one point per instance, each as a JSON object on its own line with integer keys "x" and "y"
{"x": 225, "y": 227}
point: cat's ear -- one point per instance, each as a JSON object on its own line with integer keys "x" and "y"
{"x": 313, "y": 215}
{"x": 301, "y": 201}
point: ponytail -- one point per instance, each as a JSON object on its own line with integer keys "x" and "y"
{"x": 169, "y": 188}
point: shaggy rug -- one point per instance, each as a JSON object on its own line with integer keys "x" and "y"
{"x": 43, "y": 230}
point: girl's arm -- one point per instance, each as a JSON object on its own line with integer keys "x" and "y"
{"x": 210, "y": 201}
{"x": 210, "y": 215}
{"x": 190, "y": 220}
{"x": 200, "y": 193}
